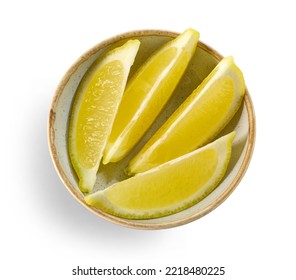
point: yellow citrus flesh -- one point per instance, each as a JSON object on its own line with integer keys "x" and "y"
{"x": 198, "y": 120}
{"x": 147, "y": 92}
{"x": 94, "y": 108}
{"x": 168, "y": 188}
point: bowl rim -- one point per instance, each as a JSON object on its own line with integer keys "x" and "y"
{"x": 134, "y": 223}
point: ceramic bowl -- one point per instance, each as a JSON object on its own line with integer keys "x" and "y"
{"x": 204, "y": 60}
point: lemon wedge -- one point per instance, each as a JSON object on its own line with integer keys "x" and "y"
{"x": 168, "y": 188}
{"x": 147, "y": 92}
{"x": 198, "y": 119}
{"x": 93, "y": 111}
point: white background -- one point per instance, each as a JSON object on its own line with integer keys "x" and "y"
{"x": 45, "y": 233}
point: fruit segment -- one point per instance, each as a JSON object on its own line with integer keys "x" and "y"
{"x": 168, "y": 188}
{"x": 147, "y": 92}
{"x": 94, "y": 108}
{"x": 198, "y": 120}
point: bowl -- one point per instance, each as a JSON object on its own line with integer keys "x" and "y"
{"x": 203, "y": 61}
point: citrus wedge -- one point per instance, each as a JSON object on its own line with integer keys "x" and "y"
{"x": 94, "y": 108}
{"x": 147, "y": 92}
{"x": 168, "y": 188}
{"x": 198, "y": 119}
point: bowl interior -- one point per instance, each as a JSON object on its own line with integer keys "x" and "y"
{"x": 204, "y": 60}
